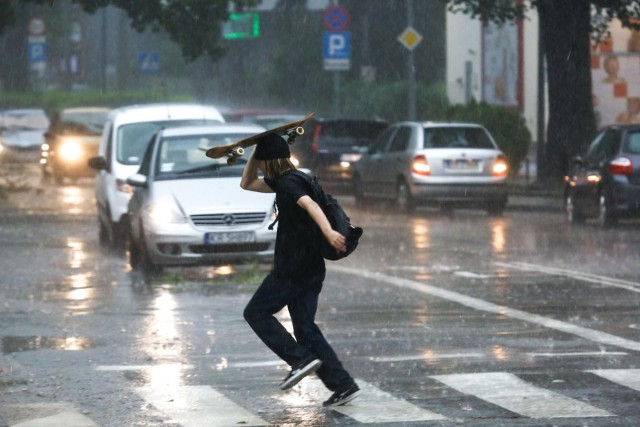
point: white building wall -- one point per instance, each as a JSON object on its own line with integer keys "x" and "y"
{"x": 464, "y": 44}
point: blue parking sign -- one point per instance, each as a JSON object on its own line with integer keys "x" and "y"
{"x": 336, "y": 45}
{"x": 37, "y": 52}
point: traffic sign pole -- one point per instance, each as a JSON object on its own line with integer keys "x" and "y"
{"x": 336, "y": 46}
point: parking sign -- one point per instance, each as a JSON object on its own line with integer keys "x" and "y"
{"x": 337, "y": 50}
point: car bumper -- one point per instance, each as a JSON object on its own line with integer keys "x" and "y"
{"x": 460, "y": 193}
{"x": 626, "y": 198}
{"x": 184, "y": 245}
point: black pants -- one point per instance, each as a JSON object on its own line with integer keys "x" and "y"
{"x": 302, "y": 301}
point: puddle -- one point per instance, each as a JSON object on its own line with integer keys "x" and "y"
{"x": 18, "y": 344}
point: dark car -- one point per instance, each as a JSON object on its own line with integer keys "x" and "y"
{"x": 605, "y": 183}
{"x": 72, "y": 138}
{"x": 330, "y": 147}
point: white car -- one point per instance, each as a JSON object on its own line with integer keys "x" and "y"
{"x": 22, "y": 134}
{"x": 125, "y": 137}
{"x": 428, "y": 163}
{"x": 188, "y": 209}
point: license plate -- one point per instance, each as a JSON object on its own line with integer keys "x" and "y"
{"x": 463, "y": 165}
{"x": 229, "y": 237}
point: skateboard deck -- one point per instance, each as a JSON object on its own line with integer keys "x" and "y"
{"x": 233, "y": 151}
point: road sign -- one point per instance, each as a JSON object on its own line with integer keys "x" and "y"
{"x": 241, "y": 26}
{"x": 149, "y": 62}
{"x": 37, "y": 52}
{"x": 36, "y": 26}
{"x": 336, "y": 18}
{"x": 410, "y": 38}
{"x": 337, "y": 50}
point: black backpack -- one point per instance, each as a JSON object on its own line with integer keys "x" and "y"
{"x": 337, "y": 217}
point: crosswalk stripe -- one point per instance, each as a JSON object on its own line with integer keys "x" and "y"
{"x": 195, "y": 406}
{"x": 45, "y": 415}
{"x": 626, "y": 377}
{"x": 371, "y": 406}
{"x": 510, "y": 392}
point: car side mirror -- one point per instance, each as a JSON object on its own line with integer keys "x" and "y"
{"x": 137, "y": 180}
{"x": 98, "y": 163}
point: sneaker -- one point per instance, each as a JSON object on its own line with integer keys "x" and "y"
{"x": 340, "y": 398}
{"x": 297, "y": 374}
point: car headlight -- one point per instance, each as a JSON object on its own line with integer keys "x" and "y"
{"x": 70, "y": 151}
{"x": 163, "y": 213}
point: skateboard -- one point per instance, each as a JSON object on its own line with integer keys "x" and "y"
{"x": 235, "y": 150}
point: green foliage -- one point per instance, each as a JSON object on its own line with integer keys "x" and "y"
{"x": 55, "y": 100}
{"x": 390, "y": 101}
{"x": 507, "y": 126}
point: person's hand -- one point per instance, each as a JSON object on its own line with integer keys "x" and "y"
{"x": 337, "y": 240}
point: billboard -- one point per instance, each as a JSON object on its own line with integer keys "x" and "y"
{"x": 502, "y": 64}
{"x": 615, "y": 72}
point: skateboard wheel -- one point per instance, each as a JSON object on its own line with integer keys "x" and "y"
{"x": 299, "y": 130}
{"x": 238, "y": 151}
{"x": 231, "y": 161}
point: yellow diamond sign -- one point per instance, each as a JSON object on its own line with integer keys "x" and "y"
{"x": 410, "y": 38}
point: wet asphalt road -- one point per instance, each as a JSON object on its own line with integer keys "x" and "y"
{"x": 443, "y": 319}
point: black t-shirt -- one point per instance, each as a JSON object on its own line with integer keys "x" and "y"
{"x": 296, "y": 256}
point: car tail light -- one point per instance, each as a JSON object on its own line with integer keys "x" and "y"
{"x": 316, "y": 136}
{"x": 420, "y": 166}
{"x": 500, "y": 166}
{"x": 621, "y": 166}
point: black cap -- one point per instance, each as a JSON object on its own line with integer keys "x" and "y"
{"x": 272, "y": 146}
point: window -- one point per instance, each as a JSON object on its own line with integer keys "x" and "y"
{"x": 604, "y": 146}
{"x": 463, "y": 137}
{"x": 632, "y": 145}
{"x": 400, "y": 140}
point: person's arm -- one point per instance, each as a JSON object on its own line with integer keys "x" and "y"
{"x": 250, "y": 180}
{"x": 337, "y": 240}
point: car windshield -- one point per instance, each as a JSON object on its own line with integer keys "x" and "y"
{"x": 89, "y": 121}
{"x": 449, "y": 137}
{"x": 133, "y": 139}
{"x": 23, "y": 120}
{"x": 185, "y": 155}
{"x": 633, "y": 143}
{"x": 349, "y": 133}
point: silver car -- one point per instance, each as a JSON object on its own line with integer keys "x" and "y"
{"x": 442, "y": 164}
{"x": 188, "y": 209}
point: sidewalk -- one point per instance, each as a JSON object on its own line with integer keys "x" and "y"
{"x": 532, "y": 196}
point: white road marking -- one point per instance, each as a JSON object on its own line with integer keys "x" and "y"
{"x": 482, "y": 305}
{"x": 371, "y": 406}
{"x": 510, "y": 392}
{"x": 198, "y": 406}
{"x": 434, "y": 356}
{"x": 118, "y": 368}
{"x": 44, "y": 415}
{"x": 626, "y": 377}
{"x": 601, "y": 280}
{"x": 580, "y": 354}
{"x": 470, "y": 275}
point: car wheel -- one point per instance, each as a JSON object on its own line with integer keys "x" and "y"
{"x": 148, "y": 268}
{"x": 358, "y": 190}
{"x": 103, "y": 234}
{"x": 606, "y": 216}
{"x": 574, "y": 216}
{"x": 403, "y": 197}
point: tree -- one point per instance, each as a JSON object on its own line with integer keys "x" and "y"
{"x": 195, "y": 25}
{"x": 566, "y": 27}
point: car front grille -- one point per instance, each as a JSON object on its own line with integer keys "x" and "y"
{"x": 229, "y": 219}
{"x": 230, "y": 248}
